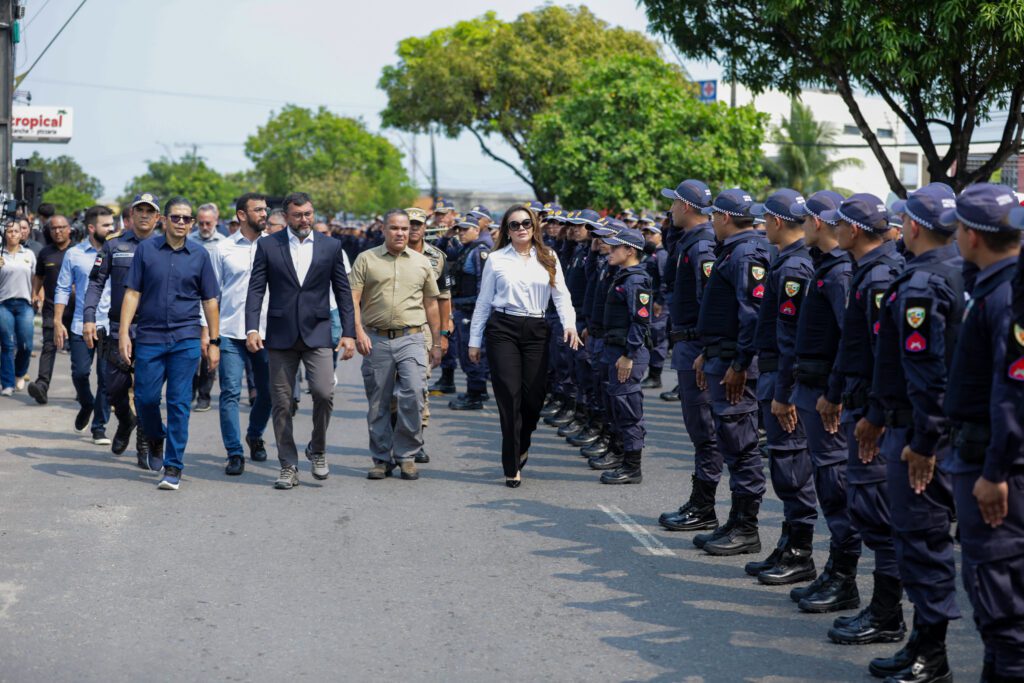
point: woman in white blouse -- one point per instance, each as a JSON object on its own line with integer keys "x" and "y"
{"x": 521, "y": 276}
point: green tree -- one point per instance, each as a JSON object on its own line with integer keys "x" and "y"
{"x": 942, "y": 66}
{"x": 632, "y": 125}
{"x": 805, "y": 145}
{"x": 491, "y": 77}
{"x": 67, "y": 199}
{"x": 63, "y": 170}
{"x": 342, "y": 165}
{"x": 189, "y": 177}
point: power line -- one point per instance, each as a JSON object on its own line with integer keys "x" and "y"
{"x": 36, "y": 15}
{"x": 19, "y": 79}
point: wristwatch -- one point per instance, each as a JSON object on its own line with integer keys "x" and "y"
{"x": 736, "y": 367}
{"x": 445, "y": 333}
{"x": 215, "y": 342}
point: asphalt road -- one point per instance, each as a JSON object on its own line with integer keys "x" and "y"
{"x": 453, "y": 577}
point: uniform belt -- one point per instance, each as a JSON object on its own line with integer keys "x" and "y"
{"x": 854, "y": 400}
{"x": 767, "y": 363}
{"x": 899, "y": 418}
{"x": 395, "y": 334}
{"x": 971, "y": 440}
{"x": 689, "y": 334}
{"x": 726, "y": 350}
{"x": 519, "y": 313}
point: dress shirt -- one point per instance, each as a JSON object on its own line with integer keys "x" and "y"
{"x": 232, "y": 263}
{"x": 302, "y": 254}
{"x": 392, "y": 288}
{"x": 520, "y": 287}
{"x": 172, "y": 283}
{"x": 74, "y": 271}
{"x": 210, "y": 242}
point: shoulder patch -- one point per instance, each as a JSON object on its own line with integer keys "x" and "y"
{"x": 706, "y": 268}
{"x": 484, "y": 255}
{"x": 1015, "y": 352}
{"x": 792, "y": 296}
{"x": 643, "y": 299}
{"x": 916, "y": 325}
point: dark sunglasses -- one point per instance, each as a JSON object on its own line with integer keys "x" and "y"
{"x": 516, "y": 225}
{"x": 181, "y": 219}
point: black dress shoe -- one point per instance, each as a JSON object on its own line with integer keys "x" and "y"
{"x": 693, "y": 519}
{"x": 670, "y": 396}
{"x": 38, "y": 392}
{"x": 257, "y": 449}
{"x": 871, "y": 627}
{"x": 422, "y": 458}
{"x": 82, "y": 419}
{"x": 123, "y": 435}
{"x": 513, "y": 483}
{"x": 236, "y": 465}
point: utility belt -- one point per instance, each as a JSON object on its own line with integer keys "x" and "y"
{"x": 395, "y": 334}
{"x": 596, "y": 331}
{"x": 855, "y": 400}
{"x": 464, "y": 301}
{"x": 726, "y": 350}
{"x": 899, "y": 418}
{"x": 812, "y": 372}
{"x": 767, "y": 362}
{"x": 689, "y": 334}
{"x": 971, "y": 440}
{"x": 617, "y": 337}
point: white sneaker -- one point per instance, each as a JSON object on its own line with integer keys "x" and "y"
{"x": 9, "y": 391}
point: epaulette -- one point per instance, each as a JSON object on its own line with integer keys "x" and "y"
{"x": 114, "y": 235}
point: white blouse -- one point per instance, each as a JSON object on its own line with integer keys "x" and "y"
{"x": 521, "y": 287}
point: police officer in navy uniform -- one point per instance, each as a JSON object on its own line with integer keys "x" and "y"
{"x": 468, "y": 271}
{"x": 983, "y": 402}
{"x": 625, "y": 325}
{"x": 656, "y": 258}
{"x": 728, "y": 367}
{"x": 818, "y": 384}
{"x": 919, "y": 322}
{"x": 444, "y": 219}
{"x": 691, "y": 266}
{"x": 553, "y": 225}
{"x": 788, "y": 457}
{"x": 112, "y": 263}
{"x": 863, "y": 233}
{"x": 670, "y": 238}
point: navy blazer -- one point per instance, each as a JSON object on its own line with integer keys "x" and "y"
{"x": 299, "y": 311}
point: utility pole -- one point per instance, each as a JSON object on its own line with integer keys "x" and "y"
{"x": 9, "y": 13}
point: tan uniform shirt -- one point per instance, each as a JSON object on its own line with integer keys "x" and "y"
{"x": 392, "y": 288}
{"x": 438, "y": 261}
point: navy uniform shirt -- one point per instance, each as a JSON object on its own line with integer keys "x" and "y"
{"x": 605, "y": 273}
{"x": 630, "y": 288}
{"x": 692, "y": 265}
{"x": 591, "y": 270}
{"x": 785, "y": 287}
{"x": 172, "y": 284}
{"x": 576, "y": 278}
{"x": 468, "y": 273}
{"x": 819, "y": 327}
{"x": 655, "y": 264}
{"x": 732, "y": 297}
{"x": 113, "y": 262}
{"x": 920, "y": 317}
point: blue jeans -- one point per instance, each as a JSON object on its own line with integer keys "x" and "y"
{"x": 233, "y": 355}
{"x": 173, "y": 363}
{"x": 81, "y": 369}
{"x": 15, "y": 340}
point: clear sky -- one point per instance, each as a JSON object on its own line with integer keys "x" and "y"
{"x": 231, "y": 63}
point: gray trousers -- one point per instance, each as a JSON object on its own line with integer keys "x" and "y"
{"x": 394, "y": 362}
{"x": 284, "y": 364}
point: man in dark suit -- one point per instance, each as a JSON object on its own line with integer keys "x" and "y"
{"x": 300, "y": 267}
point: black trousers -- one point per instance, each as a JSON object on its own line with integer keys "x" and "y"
{"x": 47, "y": 355}
{"x": 517, "y": 350}
{"x": 202, "y": 381}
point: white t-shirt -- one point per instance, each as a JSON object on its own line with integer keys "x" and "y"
{"x": 16, "y": 275}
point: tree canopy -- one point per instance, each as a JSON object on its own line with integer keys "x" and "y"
{"x": 632, "y": 125}
{"x": 192, "y": 178}
{"x": 805, "y": 161}
{"x": 946, "y": 65}
{"x": 334, "y": 158}
{"x": 490, "y": 77}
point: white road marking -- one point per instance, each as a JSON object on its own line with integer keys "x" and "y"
{"x": 644, "y": 537}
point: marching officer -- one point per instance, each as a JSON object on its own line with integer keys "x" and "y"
{"x": 819, "y": 329}
{"x": 468, "y": 272}
{"x": 728, "y": 368}
{"x": 862, "y": 233}
{"x": 691, "y": 266}
{"x": 983, "y": 402}
{"x": 655, "y": 262}
{"x": 919, "y": 322}
{"x": 444, "y": 220}
{"x": 788, "y": 458}
{"x": 625, "y": 326}
{"x": 112, "y": 263}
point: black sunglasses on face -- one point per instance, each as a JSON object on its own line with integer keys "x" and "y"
{"x": 520, "y": 225}
{"x": 181, "y": 219}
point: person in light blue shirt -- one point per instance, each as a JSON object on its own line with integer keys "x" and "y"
{"x": 74, "y": 273}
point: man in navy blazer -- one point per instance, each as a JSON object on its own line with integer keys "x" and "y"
{"x": 300, "y": 267}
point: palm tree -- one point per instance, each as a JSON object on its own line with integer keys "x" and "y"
{"x": 803, "y": 162}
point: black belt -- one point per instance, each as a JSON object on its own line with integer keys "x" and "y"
{"x": 689, "y": 334}
{"x": 767, "y": 363}
{"x": 899, "y": 418}
{"x": 971, "y": 440}
{"x": 726, "y": 350}
{"x": 854, "y": 400}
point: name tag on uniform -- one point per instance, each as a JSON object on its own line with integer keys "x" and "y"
{"x": 123, "y": 254}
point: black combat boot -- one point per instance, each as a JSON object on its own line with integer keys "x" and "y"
{"x": 586, "y": 436}
{"x": 701, "y": 539}
{"x": 598, "y": 448}
{"x": 611, "y": 460}
{"x": 757, "y": 566}
{"x": 839, "y": 592}
{"x": 653, "y": 379}
{"x": 553, "y": 405}
{"x": 567, "y": 414}
{"x": 743, "y": 538}
{"x": 880, "y": 622}
{"x": 670, "y": 396}
{"x": 928, "y": 663}
{"x": 471, "y": 400}
{"x": 581, "y": 418}
{"x": 446, "y": 384}
{"x": 795, "y": 564}
{"x": 698, "y": 514}
{"x": 628, "y": 473}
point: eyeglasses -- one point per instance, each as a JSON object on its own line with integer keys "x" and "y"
{"x": 515, "y": 226}
{"x": 180, "y": 220}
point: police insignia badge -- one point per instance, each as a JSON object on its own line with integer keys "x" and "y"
{"x": 788, "y": 308}
{"x": 916, "y": 316}
{"x": 758, "y": 292}
{"x": 915, "y": 343}
{"x": 1018, "y": 334}
{"x": 792, "y": 288}
{"x": 644, "y": 298}
{"x": 484, "y": 255}
{"x": 643, "y": 312}
{"x": 878, "y": 299}
{"x": 757, "y": 272}
{"x": 1015, "y": 353}
{"x": 706, "y": 267}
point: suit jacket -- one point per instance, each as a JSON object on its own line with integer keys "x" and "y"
{"x": 298, "y": 311}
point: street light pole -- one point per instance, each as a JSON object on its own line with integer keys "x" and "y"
{"x": 8, "y": 12}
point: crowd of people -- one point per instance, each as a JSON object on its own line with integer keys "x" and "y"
{"x": 872, "y": 355}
